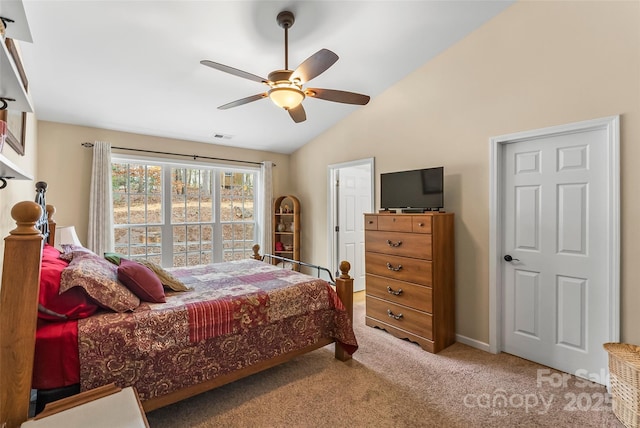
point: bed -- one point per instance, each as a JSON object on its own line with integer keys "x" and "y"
{"x": 228, "y": 321}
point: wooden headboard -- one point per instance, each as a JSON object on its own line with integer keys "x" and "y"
{"x": 19, "y": 304}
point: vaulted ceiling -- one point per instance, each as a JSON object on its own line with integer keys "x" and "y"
{"x": 134, "y": 66}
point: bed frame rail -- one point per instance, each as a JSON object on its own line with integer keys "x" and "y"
{"x": 318, "y": 269}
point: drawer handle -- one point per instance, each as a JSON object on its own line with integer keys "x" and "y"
{"x": 392, "y": 291}
{"x": 370, "y": 221}
{"x": 420, "y": 224}
{"x": 392, "y": 315}
{"x": 393, "y": 244}
{"x": 395, "y": 269}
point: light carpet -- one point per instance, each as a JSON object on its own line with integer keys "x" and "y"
{"x": 394, "y": 383}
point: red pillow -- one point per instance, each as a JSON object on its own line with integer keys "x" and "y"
{"x": 74, "y": 304}
{"x": 141, "y": 281}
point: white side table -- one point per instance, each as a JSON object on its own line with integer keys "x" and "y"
{"x": 104, "y": 407}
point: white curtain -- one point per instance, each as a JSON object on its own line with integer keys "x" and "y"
{"x": 266, "y": 171}
{"x": 100, "y": 233}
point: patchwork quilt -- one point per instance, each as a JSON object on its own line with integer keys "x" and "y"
{"x": 235, "y": 314}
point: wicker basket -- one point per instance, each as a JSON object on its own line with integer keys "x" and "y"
{"x": 624, "y": 372}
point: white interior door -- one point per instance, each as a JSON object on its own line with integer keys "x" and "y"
{"x": 353, "y": 197}
{"x": 558, "y": 307}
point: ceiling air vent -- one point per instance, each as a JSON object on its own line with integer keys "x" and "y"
{"x": 222, "y": 136}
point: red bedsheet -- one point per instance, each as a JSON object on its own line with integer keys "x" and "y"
{"x": 235, "y": 315}
{"x": 56, "y": 362}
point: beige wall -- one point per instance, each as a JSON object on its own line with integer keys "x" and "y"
{"x": 66, "y": 166}
{"x": 535, "y": 65}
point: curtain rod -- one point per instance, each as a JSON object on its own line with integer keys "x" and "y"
{"x": 87, "y": 144}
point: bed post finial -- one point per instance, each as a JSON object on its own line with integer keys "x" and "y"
{"x": 345, "y": 267}
{"x": 256, "y": 252}
{"x": 51, "y": 210}
{"x": 26, "y": 214}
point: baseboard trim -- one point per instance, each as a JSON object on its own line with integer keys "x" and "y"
{"x": 473, "y": 343}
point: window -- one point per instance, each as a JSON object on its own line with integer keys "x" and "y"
{"x": 183, "y": 215}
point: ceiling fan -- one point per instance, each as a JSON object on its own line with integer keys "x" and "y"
{"x": 286, "y": 86}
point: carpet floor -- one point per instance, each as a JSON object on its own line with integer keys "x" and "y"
{"x": 394, "y": 383}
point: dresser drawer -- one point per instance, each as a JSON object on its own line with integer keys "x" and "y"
{"x": 395, "y": 223}
{"x": 400, "y": 268}
{"x": 370, "y": 222}
{"x": 414, "y": 245}
{"x": 421, "y": 224}
{"x": 416, "y": 322}
{"x": 404, "y": 293}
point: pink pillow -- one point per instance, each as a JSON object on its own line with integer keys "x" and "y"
{"x": 141, "y": 280}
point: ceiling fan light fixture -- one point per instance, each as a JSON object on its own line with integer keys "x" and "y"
{"x": 286, "y": 96}
{"x": 286, "y": 86}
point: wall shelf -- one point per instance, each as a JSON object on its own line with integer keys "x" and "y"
{"x": 19, "y": 28}
{"x": 11, "y": 86}
{"x": 8, "y": 170}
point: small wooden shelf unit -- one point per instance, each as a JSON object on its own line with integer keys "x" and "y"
{"x": 286, "y": 227}
{"x": 410, "y": 277}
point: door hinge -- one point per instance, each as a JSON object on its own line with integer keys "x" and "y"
{"x": 337, "y": 228}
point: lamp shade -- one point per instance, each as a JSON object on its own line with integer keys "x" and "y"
{"x": 66, "y": 235}
{"x": 286, "y": 97}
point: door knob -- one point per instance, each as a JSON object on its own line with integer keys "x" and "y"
{"x": 508, "y": 258}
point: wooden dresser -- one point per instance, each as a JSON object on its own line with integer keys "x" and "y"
{"x": 410, "y": 286}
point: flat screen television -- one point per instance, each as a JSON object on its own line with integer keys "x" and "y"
{"x": 416, "y": 190}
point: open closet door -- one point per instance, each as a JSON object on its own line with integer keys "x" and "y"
{"x": 351, "y": 196}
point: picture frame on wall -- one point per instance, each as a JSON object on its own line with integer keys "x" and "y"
{"x": 16, "y": 121}
{"x": 15, "y": 129}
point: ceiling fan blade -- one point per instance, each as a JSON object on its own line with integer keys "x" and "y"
{"x": 338, "y": 96}
{"x": 242, "y": 101}
{"x": 315, "y": 65}
{"x": 233, "y": 71}
{"x": 298, "y": 114}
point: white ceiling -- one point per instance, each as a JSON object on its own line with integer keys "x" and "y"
{"x": 134, "y": 66}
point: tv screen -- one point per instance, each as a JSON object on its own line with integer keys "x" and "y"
{"x": 420, "y": 189}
